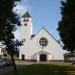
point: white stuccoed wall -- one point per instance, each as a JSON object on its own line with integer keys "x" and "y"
{"x": 0, "y": 51}
{"x": 26, "y": 31}
{"x": 31, "y": 47}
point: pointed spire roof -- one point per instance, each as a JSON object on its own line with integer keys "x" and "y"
{"x": 26, "y": 14}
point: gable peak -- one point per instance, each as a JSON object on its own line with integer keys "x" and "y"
{"x": 42, "y": 27}
{"x": 26, "y": 14}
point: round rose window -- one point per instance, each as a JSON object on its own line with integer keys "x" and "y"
{"x": 43, "y": 42}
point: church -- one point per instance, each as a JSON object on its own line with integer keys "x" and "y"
{"x": 39, "y": 47}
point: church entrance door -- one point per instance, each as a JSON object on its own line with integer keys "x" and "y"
{"x": 43, "y": 57}
{"x": 23, "y": 57}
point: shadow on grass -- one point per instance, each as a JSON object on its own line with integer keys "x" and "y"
{"x": 44, "y": 69}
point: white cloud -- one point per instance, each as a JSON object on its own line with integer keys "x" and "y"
{"x": 21, "y": 7}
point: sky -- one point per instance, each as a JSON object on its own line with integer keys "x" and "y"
{"x": 44, "y": 13}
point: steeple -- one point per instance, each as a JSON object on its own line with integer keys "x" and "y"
{"x": 26, "y": 28}
{"x": 26, "y": 14}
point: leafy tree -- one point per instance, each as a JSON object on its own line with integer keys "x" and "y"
{"x": 66, "y": 26}
{"x": 8, "y": 22}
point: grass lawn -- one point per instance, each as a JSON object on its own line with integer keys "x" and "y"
{"x": 45, "y": 69}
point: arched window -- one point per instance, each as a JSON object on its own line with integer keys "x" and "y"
{"x": 25, "y": 20}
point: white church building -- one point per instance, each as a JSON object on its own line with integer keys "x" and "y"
{"x": 39, "y": 47}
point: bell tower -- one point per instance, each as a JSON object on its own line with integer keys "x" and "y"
{"x": 26, "y": 28}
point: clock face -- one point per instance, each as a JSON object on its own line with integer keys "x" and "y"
{"x": 25, "y": 24}
{"x": 43, "y": 42}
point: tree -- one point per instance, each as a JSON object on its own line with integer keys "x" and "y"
{"x": 8, "y": 22}
{"x": 66, "y": 26}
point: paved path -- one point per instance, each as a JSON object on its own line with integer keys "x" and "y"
{"x": 18, "y": 65}
{"x": 10, "y": 68}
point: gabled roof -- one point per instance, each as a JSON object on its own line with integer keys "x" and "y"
{"x": 49, "y": 34}
{"x": 26, "y": 14}
{"x": 52, "y": 36}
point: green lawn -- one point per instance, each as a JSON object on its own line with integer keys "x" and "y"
{"x": 45, "y": 69}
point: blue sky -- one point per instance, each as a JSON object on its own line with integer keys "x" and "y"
{"x": 44, "y": 13}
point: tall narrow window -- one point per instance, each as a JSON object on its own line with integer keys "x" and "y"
{"x": 23, "y": 57}
{"x": 25, "y": 20}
